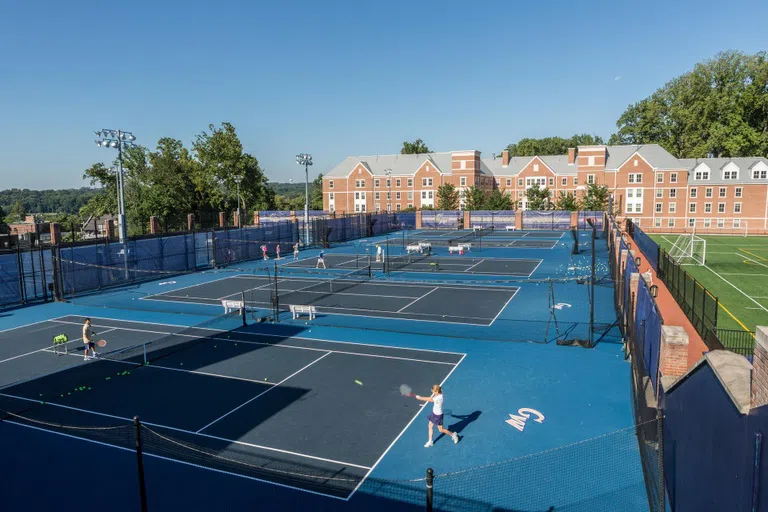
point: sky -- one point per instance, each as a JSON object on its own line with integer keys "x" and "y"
{"x": 336, "y": 78}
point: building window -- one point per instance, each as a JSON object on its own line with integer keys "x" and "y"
{"x": 701, "y": 175}
{"x": 397, "y": 207}
{"x": 575, "y": 181}
{"x": 708, "y": 192}
{"x": 635, "y": 178}
{"x": 397, "y": 182}
{"x": 330, "y": 196}
{"x": 463, "y": 181}
{"x": 659, "y": 193}
{"x": 389, "y": 196}
{"x": 410, "y": 195}
{"x": 730, "y": 175}
{"x": 389, "y": 183}
{"x": 707, "y": 207}
{"x": 535, "y": 167}
{"x": 410, "y": 182}
{"x": 378, "y": 207}
{"x": 659, "y": 177}
{"x": 672, "y": 193}
{"x": 519, "y": 182}
{"x": 691, "y": 223}
{"x": 721, "y": 223}
{"x": 657, "y": 223}
{"x": 426, "y": 182}
{"x": 331, "y": 208}
{"x": 672, "y": 207}
{"x": 551, "y": 182}
{"x": 357, "y": 195}
{"x": 423, "y": 194}
{"x": 759, "y": 174}
{"x": 357, "y": 207}
{"x": 673, "y": 177}
{"x": 694, "y": 192}
{"x": 722, "y": 191}
{"x": 691, "y": 207}
{"x": 397, "y": 195}
{"x": 590, "y": 178}
{"x": 671, "y": 223}
{"x": 737, "y": 223}
{"x": 564, "y": 182}
{"x": 634, "y": 200}
{"x": 736, "y": 207}
{"x": 376, "y": 183}
{"x": 707, "y": 223}
{"x": 360, "y": 183}
{"x": 509, "y": 182}
{"x": 737, "y": 193}
{"x": 410, "y": 205}
{"x": 658, "y": 207}
{"x": 720, "y": 207}
{"x": 330, "y": 183}
{"x": 376, "y": 196}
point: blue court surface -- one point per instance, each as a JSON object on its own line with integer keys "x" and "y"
{"x": 286, "y": 413}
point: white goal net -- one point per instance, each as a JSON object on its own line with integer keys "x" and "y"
{"x": 689, "y": 249}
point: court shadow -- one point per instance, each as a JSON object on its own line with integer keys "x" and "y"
{"x": 463, "y": 422}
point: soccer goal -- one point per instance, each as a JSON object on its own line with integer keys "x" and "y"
{"x": 689, "y": 249}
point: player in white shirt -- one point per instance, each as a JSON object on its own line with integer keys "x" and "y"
{"x": 88, "y": 339}
{"x": 436, "y": 416}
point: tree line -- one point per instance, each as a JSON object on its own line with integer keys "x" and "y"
{"x": 596, "y": 197}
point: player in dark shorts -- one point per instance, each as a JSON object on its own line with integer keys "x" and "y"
{"x": 436, "y": 416}
{"x": 88, "y": 335}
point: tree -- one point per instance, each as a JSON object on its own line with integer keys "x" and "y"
{"x": 474, "y": 198}
{"x": 3, "y": 226}
{"x": 596, "y": 198}
{"x": 316, "y": 193}
{"x": 416, "y": 147}
{"x": 537, "y": 198}
{"x": 17, "y": 211}
{"x": 447, "y": 197}
{"x": 498, "y": 199}
{"x": 566, "y": 202}
{"x": 719, "y": 108}
{"x": 551, "y": 145}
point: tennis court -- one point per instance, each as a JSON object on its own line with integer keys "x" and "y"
{"x": 280, "y": 406}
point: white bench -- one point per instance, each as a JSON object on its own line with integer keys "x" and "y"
{"x": 509, "y": 228}
{"x": 230, "y": 305}
{"x": 459, "y": 248}
{"x": 413, "y": 248}
{"x": 425, "y": 245}
{"x": 297, "y": 310}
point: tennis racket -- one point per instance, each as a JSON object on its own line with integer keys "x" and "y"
{"x": 407, "y": 391}
{"x": 101, "y": 343}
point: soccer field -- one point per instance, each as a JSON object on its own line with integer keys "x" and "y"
{"x": 736, "y": 272}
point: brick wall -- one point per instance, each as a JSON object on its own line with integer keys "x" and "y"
{"x": 759, "y": 390}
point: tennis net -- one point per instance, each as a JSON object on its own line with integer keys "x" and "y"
{"x": 311, "y": 293}
{"x": 395, "y": 263}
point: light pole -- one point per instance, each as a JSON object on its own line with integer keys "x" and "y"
{"x": 120, "y": 140}
{"x": 238, "y": 179}
{"x": 305, "y": 159}
{"x": 388, "y": 173}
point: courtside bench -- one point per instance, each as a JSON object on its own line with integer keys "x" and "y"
{"x": 298, "y": 310}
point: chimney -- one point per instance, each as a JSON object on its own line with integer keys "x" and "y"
{"x": 571, "y": 156}
{"x": 505, "y": 158}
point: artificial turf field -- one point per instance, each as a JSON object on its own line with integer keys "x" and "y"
{"x": 736, "y": 272}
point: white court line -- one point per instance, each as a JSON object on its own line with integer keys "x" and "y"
{"x": 190, "y": 286}
{"x": 440, "y": 258}
{"x": 169, "y": 459}
{"x": 130, "y": 421}
{"x": 417, "y": 300}
{"x": 750, "y": 259}
{"x": 246, "y": 290}
{"x": 750, "y": 274}
{"x": 264, "y": 392}
{"x": 536, "y": 268}
{"x": 473, "y": 266}
{"x": 273, "y": 336}
{"x": 277, "y": 345}
{"x": 401, "y": 433}
{"x": 33, "y": 323}
{"x": 737, "y": 289}
{"x": 504, "y": 307}
{"x": 48, "y": 347}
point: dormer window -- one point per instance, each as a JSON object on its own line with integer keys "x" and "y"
{"x": 701, "y": 173}
{"x": 731, "y": 172}
{"x": 760, "y": 171}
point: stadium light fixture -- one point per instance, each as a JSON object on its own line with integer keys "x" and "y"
{"x": 305, "y": 159}
{"x": 116, "y": 139}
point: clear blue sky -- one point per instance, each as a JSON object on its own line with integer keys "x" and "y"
{"x": 336, "y": 78}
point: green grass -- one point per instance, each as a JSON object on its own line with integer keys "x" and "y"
{"x": 736, "y": 272}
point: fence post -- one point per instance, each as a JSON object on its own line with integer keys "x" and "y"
{"x": 660, "y": 448}
{"x": 140, "y": 466}
{"x": 20, "y": 266}
{"x": 430, "y": 483}
{"x": 242, "y": 311}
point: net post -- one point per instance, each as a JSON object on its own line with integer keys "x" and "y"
{"x": 276, "y": 302}
{"x": 430, "y": 490}
{"x": 140, "y": 464}
{"x": 242, "y": 310}
{"x": 55, "y": 270}
{"x": 592, "y": 291}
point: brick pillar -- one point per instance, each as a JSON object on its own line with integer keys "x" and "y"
{"x": 467, "y": 223}
{"x": 759, "y": 390}
{"x": 293, "y": 216}
{"x": 418, "y": 219}
{"x": 574, "y": 219}
{"x": 237, "y": 218}
{"x": 256, "y": 218}
{"x": 519, "y": 220}
{"x": 154, "y": 225}
{"x": 634, "y": 282}
{"x": 673, "y": 360}
{"x": 109, "y": 229}
{"x": 55, "y": 233}
{"x": 222, "y": 219}
{"x": 190, "y": 222}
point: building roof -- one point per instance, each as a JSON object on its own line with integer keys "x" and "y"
{"x": 717, "y": 165}
{"x": 401, "y": 165}
{"x": 654, "y": 154}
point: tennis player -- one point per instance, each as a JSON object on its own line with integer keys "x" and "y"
{"x": 88, "y": 335}
{"x": 278, "y": 250}
{"x": 436, "y": 417}
{"x": 264, "y": 251}
{"x": 379, "y": 252}
{"x": 321, "y": 259}
{"x": 296, "y": 251}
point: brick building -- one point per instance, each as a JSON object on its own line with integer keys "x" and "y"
{"x": 648, "y": 184}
